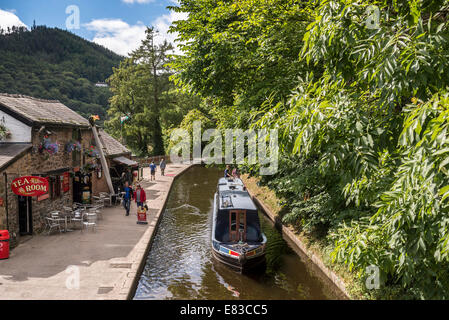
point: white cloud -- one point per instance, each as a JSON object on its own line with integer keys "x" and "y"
{"x": 9, "y": 19}
{"x": 122, "y": 38}
{"x": 117, "y": 35}
{"x": 162, "y": 25}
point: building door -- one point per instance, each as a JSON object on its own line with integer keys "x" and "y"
{"x": 77, "y": 188}
{"x": 237, "y": 225}
{"x": 82, "y": 188}
{"x": 25, "y": 215}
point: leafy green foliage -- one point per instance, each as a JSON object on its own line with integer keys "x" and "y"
{"x": 362, "y": 119}
{"x": 187, "y": 124}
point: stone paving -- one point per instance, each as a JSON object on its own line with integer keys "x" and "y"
{"x": 106, "y": 262}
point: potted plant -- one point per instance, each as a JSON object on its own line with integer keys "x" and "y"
{"x": 73, "y": 146}
{"x": 4, "y": 132}
{"x": 92, "y": 152}
{"x": 48, "y": 146}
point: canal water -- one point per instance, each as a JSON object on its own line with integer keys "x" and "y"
{"x": 180, "y": 263}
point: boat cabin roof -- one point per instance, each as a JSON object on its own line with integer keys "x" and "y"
{"x": 233, "y": 195}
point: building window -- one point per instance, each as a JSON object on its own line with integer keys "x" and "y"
{"x": 55, "y": 187}
{"x": 76, "y": 158}
{"x": 76, "y": 155}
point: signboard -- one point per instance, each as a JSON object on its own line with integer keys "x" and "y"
{"x": 66, "y": 182}
{"x": 86, "y": 197}
{"x": 43, "y": 197}
{"x": 30, "y": 186}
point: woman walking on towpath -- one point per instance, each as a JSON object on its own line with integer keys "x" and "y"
{"x": 140, "y": 196}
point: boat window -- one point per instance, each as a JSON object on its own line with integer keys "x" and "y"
{"x": 233, "y": 221}
{"x": 242, "y": 221}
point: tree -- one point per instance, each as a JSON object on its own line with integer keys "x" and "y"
{"x": 362, "y": 114}
{"x": 140, "y": 86}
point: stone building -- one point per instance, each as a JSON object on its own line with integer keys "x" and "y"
{"x": 47, "y": 139}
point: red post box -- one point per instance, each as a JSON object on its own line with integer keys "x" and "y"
{"x": 4, "y": 244}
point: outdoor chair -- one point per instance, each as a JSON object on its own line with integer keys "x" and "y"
{"x": 57, "y": 215}
{"x": 68, "y": 211}
{"x": 77, "y": 218}
{"x": 90, "y": 220}
{"x": 52, "y": 223}
{"x": 97, "y": 211}
{"x": 118, "y": 198}
{"x": 107, "y": 198}
{"x": 98, "y": 204}
{"x": 98, "y": 200}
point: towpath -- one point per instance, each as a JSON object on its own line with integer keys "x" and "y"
{"x": 106, "y": 262}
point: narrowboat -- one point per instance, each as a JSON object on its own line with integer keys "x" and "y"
{"x": 237, "y": 239}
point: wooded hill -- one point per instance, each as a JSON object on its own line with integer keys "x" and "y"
{"x": 51, "y": 63}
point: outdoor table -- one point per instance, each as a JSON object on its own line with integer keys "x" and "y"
{"x": 66, "y": 215}
{"x": 60, "y": 217}
{"x": 84, "y": 206}
{"x": 80, "y": 212}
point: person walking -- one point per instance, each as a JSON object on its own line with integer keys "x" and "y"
{"x": 127, "y": 197}
{"x": 153, "y": 171}
{"x": 162, "y": 165}
{"x": 140, "y": 196}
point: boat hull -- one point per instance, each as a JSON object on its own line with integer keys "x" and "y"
{"x": 240, "y": 265}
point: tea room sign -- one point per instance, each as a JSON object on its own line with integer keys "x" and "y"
{"x": 30, "y": 186}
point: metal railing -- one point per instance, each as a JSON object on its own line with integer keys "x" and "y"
{"x": 148, "y": 160}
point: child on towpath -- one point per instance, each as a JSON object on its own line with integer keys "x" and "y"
{"x": 153, "y": 171}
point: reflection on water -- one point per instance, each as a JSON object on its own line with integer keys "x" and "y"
{"x": 180, "y": 264}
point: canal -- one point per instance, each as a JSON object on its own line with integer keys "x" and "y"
{"x": 180, "y": 263}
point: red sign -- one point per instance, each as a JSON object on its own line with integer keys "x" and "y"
{"x": 30, "y": 186}
{"x": 43, "y": 197}
{"x": 66, "y": 182}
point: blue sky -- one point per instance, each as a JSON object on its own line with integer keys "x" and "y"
{"x": 116, "y": 24}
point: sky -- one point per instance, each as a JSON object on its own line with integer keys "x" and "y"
{"x": 118, "y": 25}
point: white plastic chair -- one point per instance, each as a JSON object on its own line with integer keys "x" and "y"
{"x": 97, "y": 211}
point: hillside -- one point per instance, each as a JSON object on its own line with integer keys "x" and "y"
{"x": 51, "y": 63}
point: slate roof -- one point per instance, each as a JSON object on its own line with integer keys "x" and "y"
{"x": 111, "y": 146}
{"x": 10, "y": 151}
{"x": 33, "y": 111}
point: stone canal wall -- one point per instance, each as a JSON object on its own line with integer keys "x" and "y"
{"x": 126, "y": 287}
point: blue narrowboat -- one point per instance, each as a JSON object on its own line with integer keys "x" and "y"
{"x": 237, "y": 239}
